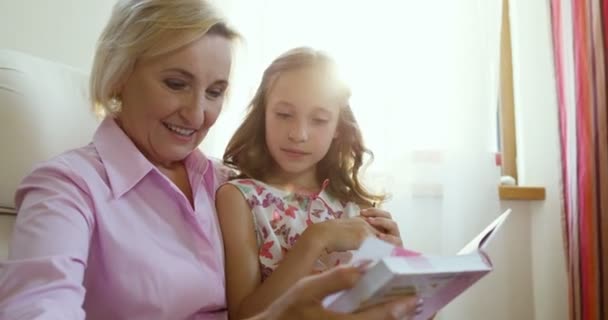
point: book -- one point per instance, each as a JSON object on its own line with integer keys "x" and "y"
{"x": 396, "y": 271}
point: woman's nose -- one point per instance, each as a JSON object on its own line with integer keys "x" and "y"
{"x": 195, "y": 109}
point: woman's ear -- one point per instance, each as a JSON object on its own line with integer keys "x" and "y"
{"x": 121, "y": 82}
{"x": 119, "y": 86}
{"x": 117, "y": 90}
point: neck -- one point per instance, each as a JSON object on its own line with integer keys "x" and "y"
{"x": 297, "y": 181}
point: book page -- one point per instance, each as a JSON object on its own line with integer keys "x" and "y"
{"x": 482, "y": 239}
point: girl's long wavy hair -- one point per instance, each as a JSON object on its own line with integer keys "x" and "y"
{"x": 247, "y": 151}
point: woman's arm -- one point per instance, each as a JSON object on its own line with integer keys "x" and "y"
{"x": 42, "y": 277}
{"x": 247, "y": 295}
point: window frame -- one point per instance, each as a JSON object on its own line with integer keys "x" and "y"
{"x": 507, "y": 129}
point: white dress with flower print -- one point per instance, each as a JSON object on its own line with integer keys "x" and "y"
{"x": 281, "y": 216}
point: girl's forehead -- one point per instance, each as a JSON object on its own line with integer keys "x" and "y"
{"x": 305, "y": 86}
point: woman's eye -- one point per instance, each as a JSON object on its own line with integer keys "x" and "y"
{"x": 176, "y": 84}
{"x": 283, "y": 115}
{"x": 215, "y": 93}
{"x": 320, "y": 120}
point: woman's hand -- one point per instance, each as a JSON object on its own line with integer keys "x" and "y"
{"x": 384, "y": 224}
{"x": 303, "y": 300}
{"x": 341, "y": 234}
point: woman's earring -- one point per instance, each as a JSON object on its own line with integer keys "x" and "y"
{"x": 115, "y": 104}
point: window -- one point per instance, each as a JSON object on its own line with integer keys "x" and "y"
{"x": 506, "y": 118}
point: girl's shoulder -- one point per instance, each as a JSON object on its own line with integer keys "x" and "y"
{"x": 253, "y": 187}
{"x": 343, "y": 209}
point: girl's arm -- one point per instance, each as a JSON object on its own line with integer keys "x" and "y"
{"x": 246, "y": 294}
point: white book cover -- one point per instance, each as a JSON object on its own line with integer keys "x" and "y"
{"x": 397, "y": 271}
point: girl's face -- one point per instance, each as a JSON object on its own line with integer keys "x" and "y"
{"x": 301, "y": 119}
{"x": 171, "y": 101}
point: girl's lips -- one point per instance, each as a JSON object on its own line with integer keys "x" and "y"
{"x": 294, "y": 153}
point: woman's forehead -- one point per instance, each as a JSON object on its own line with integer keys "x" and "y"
{"x": 207, "y": 58}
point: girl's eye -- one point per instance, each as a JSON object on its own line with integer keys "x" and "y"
{"x": 283, "y": 115}
{"x": 176, "y": 84}
{"x": 320, "y": 121}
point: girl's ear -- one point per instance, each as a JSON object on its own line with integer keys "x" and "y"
{"x": 337, "y": 130}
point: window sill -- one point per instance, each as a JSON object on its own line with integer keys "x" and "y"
{"x": 521, "y": 193}
{"x": 7, "y": 211}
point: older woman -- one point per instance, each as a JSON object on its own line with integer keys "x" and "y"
{"x": 125, "y": 227}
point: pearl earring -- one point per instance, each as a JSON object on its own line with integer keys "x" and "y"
{"x": 115, "y": 104}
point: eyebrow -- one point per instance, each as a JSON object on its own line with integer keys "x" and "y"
{"x": 316, "y": 108}
{"x": 191, "y": 76}
{"x": 181, "y": 71}
{"x": 284, "y": 103}
{"x": 323, "y": 110}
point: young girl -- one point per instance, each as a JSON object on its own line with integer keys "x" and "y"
{"x": 298, "y": 205}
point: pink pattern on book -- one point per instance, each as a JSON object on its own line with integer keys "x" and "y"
{"x": 403, "y": 252}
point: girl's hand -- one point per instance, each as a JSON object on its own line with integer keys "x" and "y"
{"x": 341, "y": 234}
{"x": 383, "y": 222}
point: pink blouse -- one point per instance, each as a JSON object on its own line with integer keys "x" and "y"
{"x": 102, "y": 234}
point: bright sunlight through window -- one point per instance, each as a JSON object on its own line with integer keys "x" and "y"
{"x": 419, "y": 70}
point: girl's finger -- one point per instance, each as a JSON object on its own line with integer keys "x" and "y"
{"x": 374, "y": 230}
{"x": 389, "y": 225}
{"x": 391, "y": 239}
{"x": 373, "y": 212}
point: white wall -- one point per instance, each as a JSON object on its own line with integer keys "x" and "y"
{"x": 538, "y": 151}
{"x": 61, "y": 30}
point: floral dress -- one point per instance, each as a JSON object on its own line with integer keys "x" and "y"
{"x": 281, "y": 216}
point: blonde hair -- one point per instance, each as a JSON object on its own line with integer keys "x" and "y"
{"x": 247, "y": 151}
{"x": 147, "y": 28}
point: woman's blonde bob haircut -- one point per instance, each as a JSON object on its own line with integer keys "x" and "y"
{"x": 147, "y": 28}
{"x": 247, "y": 151}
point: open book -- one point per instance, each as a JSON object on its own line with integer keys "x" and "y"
{"x": 396, "y": 271}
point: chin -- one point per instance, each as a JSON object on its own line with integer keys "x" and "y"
{"x": 290, "y": 168}
{"x": 180, "y": 153}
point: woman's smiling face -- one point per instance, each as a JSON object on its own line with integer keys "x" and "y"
{"x": 170, "y": 101}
